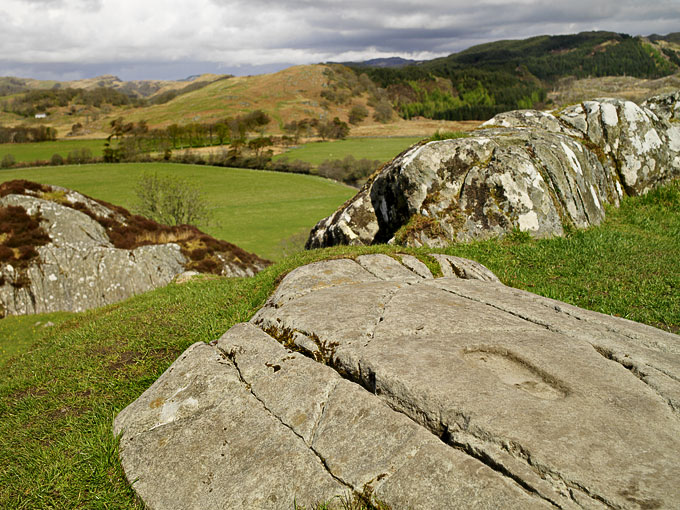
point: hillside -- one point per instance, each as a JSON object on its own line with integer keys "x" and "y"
{"x": 473, "y": 84}
{"x": 138, "y": 88}
{"x": 291, "y": 94}
{"x": 506, "y": 75}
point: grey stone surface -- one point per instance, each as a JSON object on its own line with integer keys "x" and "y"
{"x": 464, "y": 268}
{"x": 453, "y": 392}
{"x": 80, "y": 268}
{"x": 526, "y": 170}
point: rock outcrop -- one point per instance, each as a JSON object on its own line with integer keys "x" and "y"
{"x": 81, "y": 253}
{"x": 529, "y": 170}
{"x": 370, "y": 376}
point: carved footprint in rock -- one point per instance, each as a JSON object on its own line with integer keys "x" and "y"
{"x": 514, "y": 371}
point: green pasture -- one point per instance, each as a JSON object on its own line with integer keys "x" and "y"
{"x": 254, "y": 209}
{"x": 45, "y": 150}
{"x": 382, "y": 149}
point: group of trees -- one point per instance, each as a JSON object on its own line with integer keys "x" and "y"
{"x": 344, "y": 84}
{"x": 243, "y": 134}
{"x": 36, "y": 101}
{"x": 128, "y": 140}
{"x": 24, "y": 134}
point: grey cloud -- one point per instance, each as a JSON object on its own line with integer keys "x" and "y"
{"x": 245, "y": 34}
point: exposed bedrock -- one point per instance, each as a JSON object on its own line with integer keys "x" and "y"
{"x": 78, "y": 266}
{"x": 529, "y": 170}
{"x": 370, "y": 376}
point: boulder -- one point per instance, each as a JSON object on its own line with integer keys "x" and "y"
{"x": 526, "y": 170}
{"x": 87, "y": 253}
{"x": 367, "y": 377}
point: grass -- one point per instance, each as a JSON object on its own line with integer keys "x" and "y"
{"x": 253, "y": 209}
{"x": 17, "y": 333}
{"x": 382, "y": 149}
{"x": 58, "y": 400}
{"x": 44, "y": 150}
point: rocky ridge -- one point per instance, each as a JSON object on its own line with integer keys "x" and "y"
{"x": 65, "y": 251}
{"x": 371, "y": 377}
{"x": 526, "y": 170}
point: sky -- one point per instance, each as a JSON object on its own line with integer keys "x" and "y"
{"x": 174, "y": 39}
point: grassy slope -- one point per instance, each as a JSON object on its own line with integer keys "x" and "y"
{"x": 382, "y": 149}
{"x": 45, "y": 150}
{"x": 58, "y": 401}
{"x": 293, "y": 93}
{"x": 253, "y": 209}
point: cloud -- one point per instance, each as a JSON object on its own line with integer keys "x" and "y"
{"x": 164, "y": 36}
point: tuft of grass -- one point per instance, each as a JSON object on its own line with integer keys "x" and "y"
{"x": 448, "y": 135}
{"x": 345, "y": 502}
{"x": 58, "y": 398}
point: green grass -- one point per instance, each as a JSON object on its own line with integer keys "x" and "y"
{"x": 58, "y": 400}
{"x": 254, "y": 209}
{"x": 382, "y": 149}
{"x": 18, "y": 333}
{"x": 44, "y": 150}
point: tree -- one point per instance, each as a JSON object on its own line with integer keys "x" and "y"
{"x": 334, "y": 129}
{"x": 383, "y": 111}
{"x": 357, "y": 113}
{"x": 114, "y": 154}
{"x": 8, "y": 161}
{"x": 170, "y": 200}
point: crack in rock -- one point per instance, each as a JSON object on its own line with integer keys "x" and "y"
{"x": 231, "y": 356}
{"x": 317, "y": 422}
{"x": 634, "y": 369}
{"x": 386, "y": 299}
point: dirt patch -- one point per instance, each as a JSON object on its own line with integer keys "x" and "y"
{"x": 125, "y": 359}
{"x": 414, "y": 127}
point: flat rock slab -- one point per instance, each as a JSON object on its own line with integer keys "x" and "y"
{"x": 369, "y": 376}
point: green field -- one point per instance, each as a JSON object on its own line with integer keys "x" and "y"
{"x": 254, "y": 209}
{"x": 58, "y": 400}
{"x": 44, "y": 150}
{"x": 382, "y": 149}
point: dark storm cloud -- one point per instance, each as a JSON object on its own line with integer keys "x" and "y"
{"x": 175, "y": 37}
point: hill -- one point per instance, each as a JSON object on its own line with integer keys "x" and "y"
{"x": 513, "y": 74}
{"x": 473, "y": 84}
{"x": 137, "y": 88}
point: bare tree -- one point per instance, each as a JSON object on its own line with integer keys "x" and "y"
{"x": 170, "y": 200}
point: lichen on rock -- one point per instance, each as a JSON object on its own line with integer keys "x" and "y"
{"x": 61, "y": 250}
{"x": 371, "y": 377}
{"x": 532, "y": 171}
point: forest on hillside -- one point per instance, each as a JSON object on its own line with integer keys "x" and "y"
{"x": 506, "y": 75}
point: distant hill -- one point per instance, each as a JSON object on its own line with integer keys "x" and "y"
{"x": 383, "y": 62}
{"x": 136, "y": 88}
{"x": 505, "y": 75}
{"x": 671, "y": 38}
